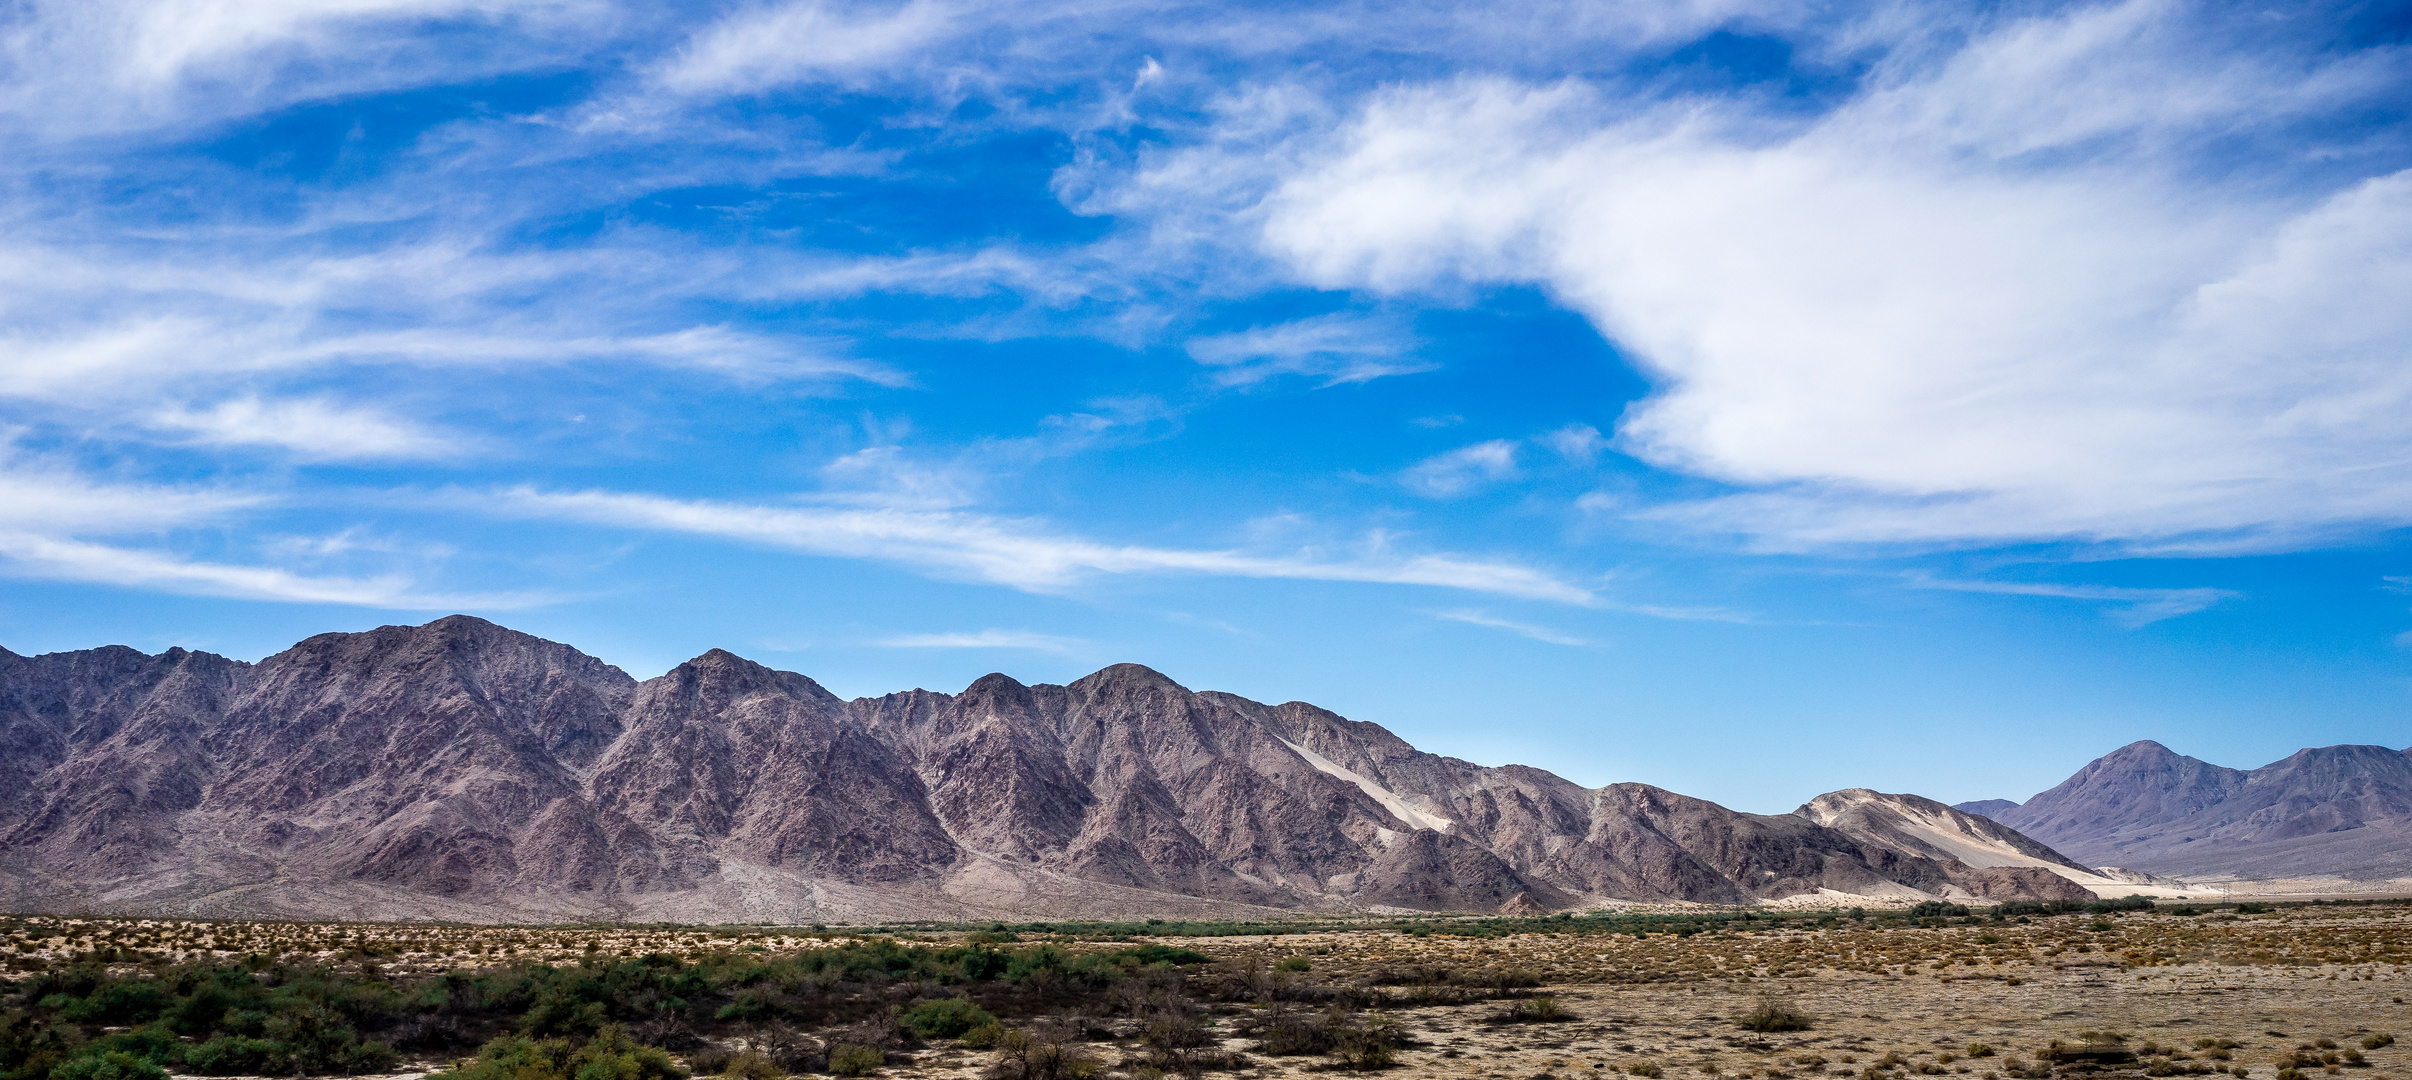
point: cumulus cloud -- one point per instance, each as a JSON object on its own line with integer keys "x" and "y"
{"x": 1459, "y": 471}
{"x": 1990, "y": 299}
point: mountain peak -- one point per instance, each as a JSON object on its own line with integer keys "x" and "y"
{"x": 1129, "y": 676}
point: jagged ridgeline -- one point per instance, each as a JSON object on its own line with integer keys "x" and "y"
{"x": 461, "y": 770}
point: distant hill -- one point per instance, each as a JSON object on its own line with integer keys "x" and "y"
{"x": 1991, "y": 808}
{"x": 461, "y": 770}
{"x": 1985, "y": 857}
{"x": 2335, "y": 810}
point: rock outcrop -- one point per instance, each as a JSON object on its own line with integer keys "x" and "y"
{"x": 462, "y": 770}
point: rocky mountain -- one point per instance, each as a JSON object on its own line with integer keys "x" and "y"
{"x": 462, "y": 770}
{"x": 1984, "y": 857}
{"x": 2333, "y": 811}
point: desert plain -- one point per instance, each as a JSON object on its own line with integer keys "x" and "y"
{"x": 2304, "y": 988}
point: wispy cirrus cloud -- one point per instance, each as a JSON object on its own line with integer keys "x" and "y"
{"x": 1333, "y": 349}
{"x": 1462, "y": 470}
{"x": 311, "y": 428}
{"x": 61, "y": 525}
{"x": 1017, "y": 552}
{"x": 768, "y": 45}
{"x": 2134, "y": 607}
{"x": 55, "y": 558}
{"x": 1537, "y": 633}
{"x": 986, "y": 639}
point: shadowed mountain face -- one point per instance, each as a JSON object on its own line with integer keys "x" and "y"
{"x": 462, "y": 770}
{"x": 2333, "y": 810}
{"x": 1991, "y": 808}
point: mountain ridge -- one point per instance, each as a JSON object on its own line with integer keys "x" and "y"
{"x": 464, "y": 770}
{"x": 2335, "y": 811}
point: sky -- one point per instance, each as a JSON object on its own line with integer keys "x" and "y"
{"x": 1752, "y": 399}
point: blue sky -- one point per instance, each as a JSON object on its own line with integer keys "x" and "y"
{"x": 1751, "y": 399}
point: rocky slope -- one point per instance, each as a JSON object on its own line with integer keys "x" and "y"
{"x": 1983, "y": 858}
{"x": 462, "y": 770}
{"x": 2342, "y": 811}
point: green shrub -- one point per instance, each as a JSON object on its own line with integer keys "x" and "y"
{"x": 114, "y": 1065}
{"x": 234, "y": 1055}
{"x": 982, "y": 1037}
{"x": 1158, "y": 954}
{"x": 2124, "y": 903}
{"x": 1979, "y": 1050}
{"x": 118, "y": 1003}
{"x": 752, "y": 1066}
{"x": 1295, "y": 963}
{"x": 1937, "y": 909}
{"x": 610, "y": 1055}
{"x": 1645, "y": 1068}
{"x": 946, "y": 1018}
{"x": 852, "y": 1059}
{"x": 2373, "y": 1042}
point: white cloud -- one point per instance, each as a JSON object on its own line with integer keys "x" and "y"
{"x": 80, "y": 66}
{"x": 62, "y": 559}
{"x": 1537, "y": 633}
{"x": 1333, "y": 349}
{"x": 1020, "y": 553}
{"x": 311, "y": 428}
{"x": 1461, "y": 470}
{"x": 2137, "y": 607}
{"x": 43, "y": 498}
{"x": 986, "y": 639}
{"x": 53, "y": 514}
{"x": 767, "y": 46}
{"x": 1992, "y": 299}
{"x": 1577, "y": 443}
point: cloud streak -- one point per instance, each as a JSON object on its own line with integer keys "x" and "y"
{"x": 2137, "y": 607}
{"x": 986, "y": 639}
{"x": 1018, "y": 553}
{"x": 1537, "y": 633}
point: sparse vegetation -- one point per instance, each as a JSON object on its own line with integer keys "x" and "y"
{"x": 112, "y": 999}
{"x": 1773, "y": 1013}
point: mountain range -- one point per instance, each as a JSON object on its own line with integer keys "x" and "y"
{"x": 466, "y": 771}
{"x": 2331, "y": 812}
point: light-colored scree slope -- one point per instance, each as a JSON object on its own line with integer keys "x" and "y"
{"x": 1389, "y": 799}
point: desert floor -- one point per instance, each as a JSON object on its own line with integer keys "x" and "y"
{"x": 2217, "y": 992}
